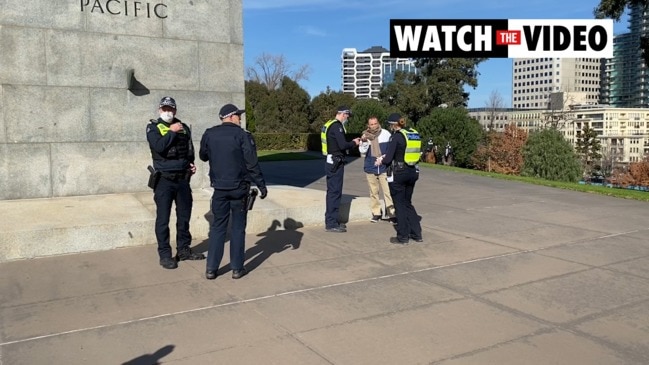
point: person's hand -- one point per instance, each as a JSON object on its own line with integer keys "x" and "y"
{"x": 357, "y": 141}
{"x": 192, "y": 168}
{"x": 379, "y": 160}
{"x": 176, "y": 127}
{"x": 263, "y": 193}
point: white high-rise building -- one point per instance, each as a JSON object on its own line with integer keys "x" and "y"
{"x": 534, "y": 79}
{"x": 364, "y": 73}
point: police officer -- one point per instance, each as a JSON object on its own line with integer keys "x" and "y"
{"x": 334, "y": 146}
{"x": 232, "y": 156}
{"x": 172, "y": 151}
{"x": 403, "y": 154}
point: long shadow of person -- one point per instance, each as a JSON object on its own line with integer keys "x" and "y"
{"x": 151, "y": 359}
{"x": 274, "y": 241}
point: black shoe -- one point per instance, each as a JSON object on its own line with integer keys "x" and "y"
{"x": 168, "y": 263}
{"x": 375, "y": 218}
{"x": 393, "y": 221}
{"x": 338, "y": 229}
{"x": 237, "y": 274}
{"x": 416, "y": 238}
{"x": 187, "y": 254}
{"x": 210, "y": 274}
{"x": 398, "y": 241}
{"x": 342, "y": 225}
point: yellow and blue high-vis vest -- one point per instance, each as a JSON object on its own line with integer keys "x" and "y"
{"x": 323, "y": 134}
{"x": 413, "y": 146}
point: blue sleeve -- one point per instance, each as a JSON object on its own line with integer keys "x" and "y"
{"x": 392, "y": 148}
{"x": 340, "y": 140}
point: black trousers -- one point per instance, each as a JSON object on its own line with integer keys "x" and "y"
{"x": 167, "y": 192}
{"x": 401, "y": 189}
{"x": 228, "y": 204}
{"x": 334, "y": 194}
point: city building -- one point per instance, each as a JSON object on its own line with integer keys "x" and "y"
{"x": 534, "y": 79}
{"x": 364, "y": 73}
{"x": 623, "y": 132}
{"x": 625, "y": 82}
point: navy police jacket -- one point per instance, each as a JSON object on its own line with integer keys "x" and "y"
{"x": 232, "y": 156}
{"x": 171, "y": 152}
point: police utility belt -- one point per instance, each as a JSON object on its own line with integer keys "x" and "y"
{"x": 403, "y": 165}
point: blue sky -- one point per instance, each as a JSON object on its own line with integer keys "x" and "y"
{"x": 314, "y": 32}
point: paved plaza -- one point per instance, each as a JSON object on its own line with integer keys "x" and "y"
{"x": 508, "y": 273}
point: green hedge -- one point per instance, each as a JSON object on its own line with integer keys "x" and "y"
{"x": 294, "y": 141}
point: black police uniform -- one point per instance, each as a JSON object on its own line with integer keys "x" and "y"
{"x": 402, "y": 188}
{"x": 232, "y": 156}
{"x": 172, "y": 155}
{"x": 336, "y": 146}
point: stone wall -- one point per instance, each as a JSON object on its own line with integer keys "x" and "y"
{"x": 69, "y": 125}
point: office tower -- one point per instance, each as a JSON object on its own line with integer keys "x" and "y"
{"x": 625, "y": 82}
{"x": 534, "y": 79}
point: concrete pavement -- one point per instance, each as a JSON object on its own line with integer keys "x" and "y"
{"x": 508, "y": 273}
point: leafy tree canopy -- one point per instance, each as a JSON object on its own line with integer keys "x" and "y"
{"x": 549, "y": 156}
{"x": 324, "y": 106}
{"x": 454, "y": 126}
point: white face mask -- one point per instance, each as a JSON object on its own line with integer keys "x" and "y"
{"x": 167, "y": 116}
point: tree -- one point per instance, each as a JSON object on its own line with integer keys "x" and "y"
{"x": 454, "y": 126}
{"x": 255, "y": 93}
{"x": 547, "y": 155}
{"x": 503, "y": 153}
{"x": 559, "y": 112}
{"x": 445, "y": 79}
{"x": 588, "y": 147}
{"x": 267, "y": 114}
{"x": 637, "y": 175}
{"x": 250, "y": 117}
{"x": 494, "y": 105}
{"x": 293, "y": 103}
{"x": 324, "y": 106}
{"x": 408, "y": 94}
{"x": 362, "y": 110}
{"x": 269, "y": 70}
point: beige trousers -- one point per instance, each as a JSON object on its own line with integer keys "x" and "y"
{"x": 375, "y": 182}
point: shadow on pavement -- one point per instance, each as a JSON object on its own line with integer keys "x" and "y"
{"x": 151, "y": 359}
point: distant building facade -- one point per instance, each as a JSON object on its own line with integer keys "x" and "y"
{"x": 364, "y": 73}
{"x": 625, "y": 82}
{"x": 534, "y": 79}
{"x": 623, "y": 132}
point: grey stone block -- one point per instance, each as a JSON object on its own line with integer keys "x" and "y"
{"x": 24, "y": 171}
{"x": 236, "y": 22}
{"x": 125, "y": 19}
{"x": 23, "y": 55}
{"x": 3, "y": 125}
{"x": 99, "y": 168}
{"x": 199, "y": 20}
{"x": 219, "y": 67}
{"x": 47, "y": 114}
{"x": 97, "y": 60}
{"x": 63, "y": 14}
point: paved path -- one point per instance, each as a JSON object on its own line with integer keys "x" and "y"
{"x": 508, "y": 273}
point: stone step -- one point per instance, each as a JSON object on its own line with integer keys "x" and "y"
{"x": 32, "y": 228}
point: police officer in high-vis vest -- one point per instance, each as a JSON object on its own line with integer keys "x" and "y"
{"x": 402, "y": 155}
{"x": 172, "y": 151}
{"x": 334, "y": 147}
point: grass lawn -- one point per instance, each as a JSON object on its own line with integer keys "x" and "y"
{"x": 619, "y": 193}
